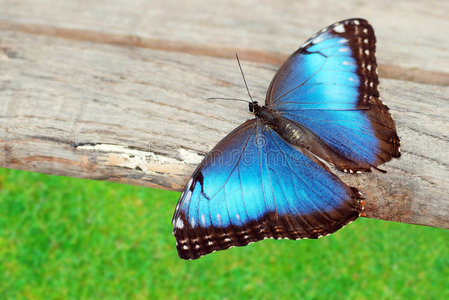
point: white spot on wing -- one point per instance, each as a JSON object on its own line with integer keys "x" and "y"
{"x": 188, "y": 195}
{"x": 340, "y": 28}
{"x": 318, "y": 39}
{"x": 341, "y": 41}
{"x": 192, "y": 222}
{"x": 179, "y": 223}
{"x": 203, "y": 220}
{"x": 356, "y": 22}
{"x": 343, "y": 49}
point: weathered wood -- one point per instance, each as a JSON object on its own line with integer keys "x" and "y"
{"x": 121, "y": 97}
{"x": 412, "y": 47}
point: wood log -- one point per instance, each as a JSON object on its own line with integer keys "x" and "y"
{"x": 107, "y": 92}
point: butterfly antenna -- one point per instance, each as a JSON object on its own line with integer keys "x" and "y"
{"x": 243, "y": 75}
{"x": 233, "y": 99}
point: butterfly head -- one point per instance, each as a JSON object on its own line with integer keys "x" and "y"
{"x": 254, "y": 107}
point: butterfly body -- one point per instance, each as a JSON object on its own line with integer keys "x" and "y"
{"x": 292, "y": 132}
{"x": 267, "y": 178}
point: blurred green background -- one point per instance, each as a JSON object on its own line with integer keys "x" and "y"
{"x": 65, "y": 238}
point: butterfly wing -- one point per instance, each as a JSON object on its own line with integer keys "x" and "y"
{"x": 253, "y": 185}
{"x": 330, "y": 87}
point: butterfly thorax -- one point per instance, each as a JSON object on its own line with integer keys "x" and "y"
{"x": 264, "y": 114}
{"x": 288, "y": 130}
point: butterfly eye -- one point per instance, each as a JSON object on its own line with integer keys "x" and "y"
{"x": 253, "y": 106}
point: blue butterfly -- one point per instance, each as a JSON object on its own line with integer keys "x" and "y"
{"x": 267, "y": 178}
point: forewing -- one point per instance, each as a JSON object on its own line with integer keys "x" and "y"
{"x": 330, "y": 86}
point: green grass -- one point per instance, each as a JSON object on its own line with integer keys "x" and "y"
{"x": 64, "y": 238}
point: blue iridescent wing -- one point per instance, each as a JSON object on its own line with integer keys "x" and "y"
{"x": 253, "y": 185}
{"x": 330, "y": 87}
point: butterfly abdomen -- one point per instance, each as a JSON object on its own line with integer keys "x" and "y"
{"x": 292, "y": 133}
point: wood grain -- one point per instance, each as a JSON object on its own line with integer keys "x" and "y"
{"x": 263, "y": 31}
{"x": 121, "y": 97}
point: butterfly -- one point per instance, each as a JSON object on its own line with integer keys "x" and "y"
{"x": 268, "y": 177}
